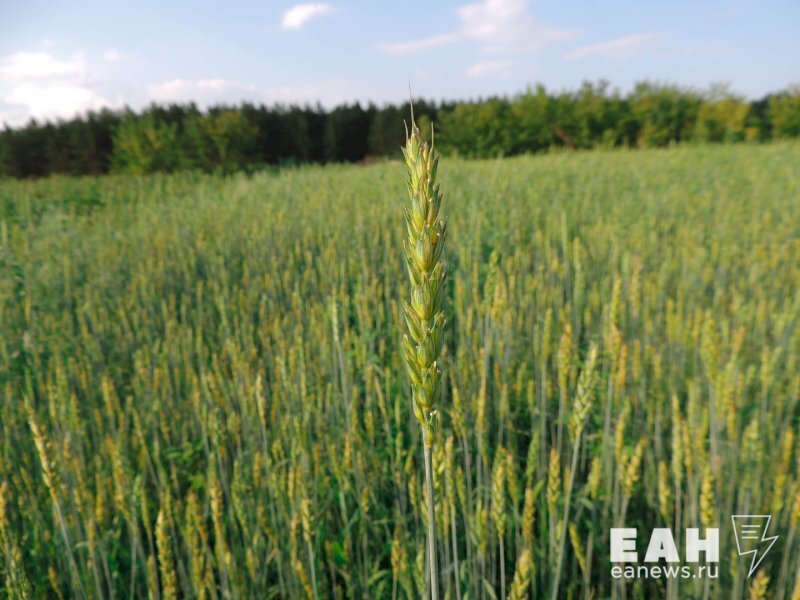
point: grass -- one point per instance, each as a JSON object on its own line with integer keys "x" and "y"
{"x": 203, "y": 391}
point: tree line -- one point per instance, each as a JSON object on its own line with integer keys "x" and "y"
{"x": 247, "y": 136}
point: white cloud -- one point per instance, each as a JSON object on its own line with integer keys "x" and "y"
{"x": 112, "y": 55}
{"x": 488, "y": 67}
{"x": 51, "y": 100}
{"x": 329, "y": 93}
{"x": 46, "y": 87}
{"x": 625, "y": 47}
{"x": 505, "y": 25}
{"x": 416, "y": 45}
{"x": 497, "y": 25}
{"x": 207, "y": 92}
{"x": 300, "y": 14}
{"x": 27, "y": 65}
{"x": 198, "y": 90}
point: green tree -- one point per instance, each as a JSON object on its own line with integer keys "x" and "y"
{"x": 146, "y": 145}
{"x": 5, "y": 156}
{"x": 223, "y": 140}
{"x": 665, "y": 113}
{"x": 386, "y": 132}
{"x": 478, "y": 129}
{"x": 532, "y": 112}
{"x": 784, "y": 113}
{"x": 722, "y": 117}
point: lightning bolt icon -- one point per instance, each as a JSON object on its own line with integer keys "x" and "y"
{"x": 751, "y": 536}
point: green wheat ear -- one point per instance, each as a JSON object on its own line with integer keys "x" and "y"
{"x": 426, "y": 271}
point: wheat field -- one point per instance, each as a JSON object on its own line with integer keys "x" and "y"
{"x": 203, "y": 394}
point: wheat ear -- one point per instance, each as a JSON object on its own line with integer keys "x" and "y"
{"x": 424, "y": 316}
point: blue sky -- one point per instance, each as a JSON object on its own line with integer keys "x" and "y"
{"x": 58, "y": 58}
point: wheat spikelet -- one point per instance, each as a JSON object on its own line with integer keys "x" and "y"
{"x": 399, "y": 557}
{"x": 759, "y": 585}
{"x": 420, "y": 576}
{"x": 582, "y": 403}
{"x": 621, "y": 374}
{"x": 677, "y": 443}
{"x": 499, "y": 507}
{"x": 564, "y": 359}
{"x": 449, "y": 472}
{"x": 55, "y": 584}
{"x": 169, "y": 582}
{"x": 633, "y": 469}
{"x": 690, "y": 445}
{"x": 499, "y": 493}
{"x": 728, "y": 402}
{"x": 664, "y": 492}
{"x": 636, "y": 362}
{"x": 121, "y": 480}
{"x": 16, "y": 582}
{"x": 479, "y": 520}
{"x": 3, "y": 509}
{"x": 547, "y": 334}
{"x": 512, "y": 481}
{"x": 426, "y": 271}
{"x": 424, "y": 316}
{"x": 783, "y": 472}
{"x": 710, "y": 346}
{"x": 528, "y": 517}
{"x": 151, "y": 570}
{"x": 553, "y": 481}
{"x": 42, "y": 444}
{"x": 575, "y": 540}
{"x": 530, "y": 396}
{"x": 439, "y": 472}
{"x": 461, "y": 488}
{"x": 708, "y": 514}
{"x": 197, "y": 542}
{"x": 251, "y": 563}
{"x": 222, "y": 552}
{"x": 530, "y": 463}
{"x": 522, "y": 577}
{"x": 413, "y": 495}
{"x": 457, "y": 418}
{"x": 796, "y": 593}
{"x": 765, "y": 373}
{"x": 619, "y": 435}
{"x": 53, "y": 482}
{"x": 794, "y": 517}
{"x": 100, "y": 509}
{"x": 305, "y": 519}
{"x": 300, "y": 570}
{"x": 615, "y": 307}
{"x": 787, "y": 450}
{"x": 595, "y": 475}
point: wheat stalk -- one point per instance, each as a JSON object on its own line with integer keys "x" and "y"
{"x": 424, "y": 316}
{"x": 580, "y": 411}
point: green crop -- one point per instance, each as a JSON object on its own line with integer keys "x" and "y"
{"x": 204, "y": 389}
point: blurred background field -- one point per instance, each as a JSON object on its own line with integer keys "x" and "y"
{"x": 202, "y": 393}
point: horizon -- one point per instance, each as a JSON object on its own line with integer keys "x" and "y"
{"x": 380, "y": 105}
{"x": 58, "y": 61}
